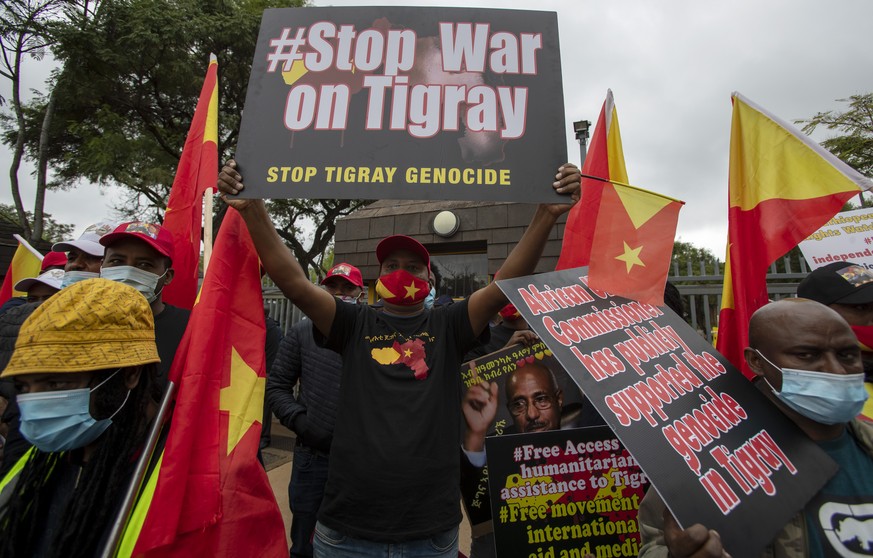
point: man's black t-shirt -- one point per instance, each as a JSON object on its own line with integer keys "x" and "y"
{"x": 394, "y": 471}
{"x": 170, "y": 326}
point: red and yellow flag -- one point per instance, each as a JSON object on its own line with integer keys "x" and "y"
{"x": 605, "y": 160}
{"x": 197, "y": 172}
{"x": 633, "y": 243}
{"x": 25, "y": 263}
{"x": 782, "y": 187}
{"x": 212, "y": 496}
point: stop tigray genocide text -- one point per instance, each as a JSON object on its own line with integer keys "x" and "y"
{"x": 388, "y": 175}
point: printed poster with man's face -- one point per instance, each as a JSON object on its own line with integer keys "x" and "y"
{"x": 404, "y": 103}
{"x": 539, "y": 405}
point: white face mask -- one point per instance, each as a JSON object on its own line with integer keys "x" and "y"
{"x": 61, "y": 420}
{"x": 71, "y": 277}
{"x": 143, "y": 281}
{"x": 821, "y": 396}
{"x": 350, "y": 299}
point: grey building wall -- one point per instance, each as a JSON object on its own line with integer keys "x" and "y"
{"x": 493, "y": 226}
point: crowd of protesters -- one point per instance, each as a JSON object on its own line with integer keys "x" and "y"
{"x": 370, "y": 391}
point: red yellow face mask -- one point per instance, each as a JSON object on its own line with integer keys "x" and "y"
{"x": 402, "y": 288}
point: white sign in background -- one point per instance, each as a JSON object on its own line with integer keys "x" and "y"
{"x": 847, "y": 237}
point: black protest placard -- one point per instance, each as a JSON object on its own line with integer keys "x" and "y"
{"x": 716, "y": 449}
{"x": 404, "y": 103}
{"x": 498, "y": 367}
{"x": 562, "y": 494}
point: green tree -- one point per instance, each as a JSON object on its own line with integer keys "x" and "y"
{"x": 853, "y": 142}
{"x": 23, "y": 34}
{"x": 687, "y": 256}
{"x": 52, "y": 231}
{"x": 126, "y": 94}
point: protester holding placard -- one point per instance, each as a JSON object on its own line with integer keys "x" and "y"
{"x": 807, "y": 363}
{"x": 394, "y": 471}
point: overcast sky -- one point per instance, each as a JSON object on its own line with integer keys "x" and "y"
{"x": 672, "y": 66}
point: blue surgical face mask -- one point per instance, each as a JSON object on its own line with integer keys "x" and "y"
{"x": 71, "y": 277}
{"x": 61, "y": 420}
{"x": 431, "y": 297}
{"x": 143, "y": 281}
{"x": 821, "y": 396}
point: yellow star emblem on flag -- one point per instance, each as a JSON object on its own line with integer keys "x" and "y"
{"x": 411, "y": 289}
{"x": 631, "y": 256}
{"x": 243, "y": 399}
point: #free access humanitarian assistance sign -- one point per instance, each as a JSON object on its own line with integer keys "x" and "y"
{"x": 404, "y": 103}
{"x": 714, "y": 447}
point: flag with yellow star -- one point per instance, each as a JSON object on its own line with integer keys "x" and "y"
{"x": 196, "y": 173}
{"x": 212, "y": 496}
{"x": 605, "y": 160}
{"x": 633, "y": 243}
{"x": 782, "y": 187}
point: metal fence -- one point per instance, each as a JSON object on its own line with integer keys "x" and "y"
{"x": 701, "y": 286}
{"x": 280, "y": 308}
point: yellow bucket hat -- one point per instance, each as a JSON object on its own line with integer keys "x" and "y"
{"x": 90, "y": 325}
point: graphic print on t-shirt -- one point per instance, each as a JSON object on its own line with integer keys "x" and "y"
{"x": 847, "y": 526}
{"x": 410, "y": 353}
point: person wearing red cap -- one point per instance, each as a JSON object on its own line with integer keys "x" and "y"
{"x": 53, "y": 260}
{"x": 311, "y": 414}
{"x": 394, "y": 475}
{"x": 141, "y": 255}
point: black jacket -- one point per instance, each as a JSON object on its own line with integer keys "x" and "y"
{"x": 312, "y": 412}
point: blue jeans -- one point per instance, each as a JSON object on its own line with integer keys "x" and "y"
{"x": 333, "y": 544}
{"x": 305, "y": 492}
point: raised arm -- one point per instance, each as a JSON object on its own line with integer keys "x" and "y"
{"x": 487, "y": 301}
{"x": 281, "y": 265}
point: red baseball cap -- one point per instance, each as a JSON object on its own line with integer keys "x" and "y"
{"x": 155, "y": 236}
{"x": 348, "y": 272}
{"x": 53, "y": 259}
{"x": 391, "y": 244}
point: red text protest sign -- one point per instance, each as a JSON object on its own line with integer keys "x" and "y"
{"x": 716, "y": 449}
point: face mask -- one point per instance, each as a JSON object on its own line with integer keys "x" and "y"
{"x": 143, "y": 281}
{"x": 350, "y": 299}
{"x": 71, "y": 277}
{"x": 61, "y": 420}
{"x": 402, "y": 288}
{"x": 823, "y": 397}
{"x": 429, "y": 300}
{"x": 865, "y": 337}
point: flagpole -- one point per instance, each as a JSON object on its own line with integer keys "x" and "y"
{"x": 637, "y": 188}
{"x": 207, "y": 228}
{"x": 27, "y": 245}
{"x": 139, "y": 471}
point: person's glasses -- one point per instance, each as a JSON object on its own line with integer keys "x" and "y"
{"x": 542, "y": 402}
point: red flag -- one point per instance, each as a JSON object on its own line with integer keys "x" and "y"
{"x": 782, "y": 188}
{"x": 212, "y": 497}
{"x": 605, "y": 160}
{"x": 633, "y": 243}
{"x": 197, "y": 172}
{"x": 25, "y": 263}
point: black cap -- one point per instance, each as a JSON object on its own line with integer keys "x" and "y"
{"x": 838, "y": 283}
